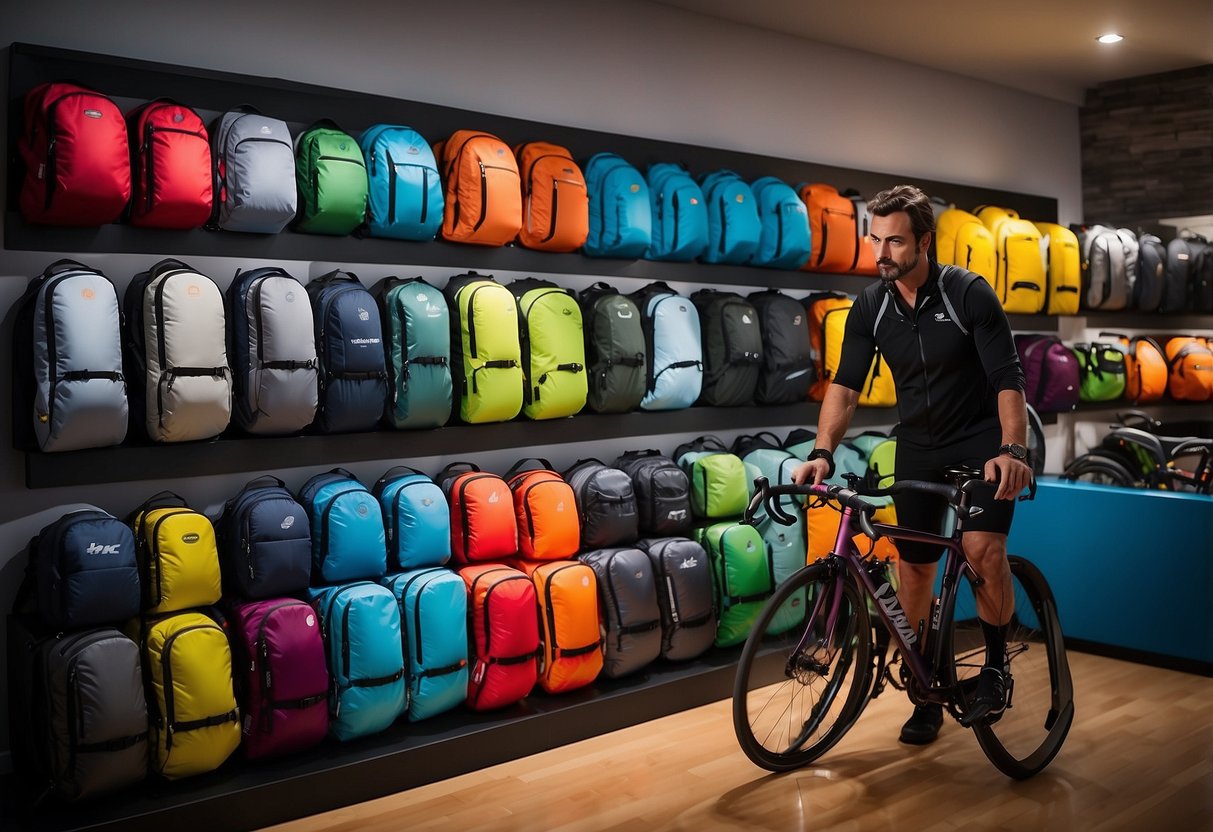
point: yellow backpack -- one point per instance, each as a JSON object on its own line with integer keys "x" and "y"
{"x": 177, "y": 556}
{"x": 1020, "y": 266}
{"x": 878, "y": 389}
{"x": 1063, "y": 269}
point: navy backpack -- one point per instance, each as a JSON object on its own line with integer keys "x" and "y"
{"x": 349, "y": 346}
{"x": 265, "y": 543}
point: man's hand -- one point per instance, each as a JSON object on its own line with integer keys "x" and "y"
{"x": 812, "y": 472}
{"x": 1012, "y": 475}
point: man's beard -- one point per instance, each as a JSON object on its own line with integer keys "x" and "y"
{"x": 899, "y": 270}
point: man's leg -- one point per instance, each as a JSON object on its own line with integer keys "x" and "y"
{"x": 917, "y": 582}
{"x": 986, "y": 553}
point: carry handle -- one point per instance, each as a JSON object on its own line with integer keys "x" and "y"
{"x": 337, "y": 274}
{"x": 456, "y": 468}
{"x": 345, "y": 472}
{"x": 265, "y": 479}
{"x": 161, "y": 499}
{"x": 65, "y": 265}
{"x": 170, "y": 263}
{"x": 521, "y": 465}
{"x": 387, "y": 477}
{"x": 640, "y": 454}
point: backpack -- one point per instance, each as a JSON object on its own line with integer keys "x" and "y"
{"x": 349, "y": 346}
{"x": 743, "y": 576}
{"x": 555, "y": 201}
{"x": 680, "y": 217}
{"x": 81, "y": 572}
{"x": 254, "y": 173}
{"x": 483, "y": 192}
{"x": 404, "y": 199}
{"x": 483, "y": 526}
{"x": 552, "y": 344}
{"x": 172, "y": 185}
{"x": 1151, "y": 273}
{"x": 1101, "y": 369}
{"x": 614, "y": 349}
{"x": 865, "y": 254}
{"x": 192, "y": 711}
{"x": 878, "y": 389}
{"x": 1063, "y": 269}
{"x": 272, "y": 347}
{"x": 674, "y": 373}
{"x": 734, "y": 228}
{"x": 1200, "y": 286}
{"x": 177, "y": 555}
{"x": 69, "y": 388}
{"x": 283, "y": 681}
{"x": 360, "y": 623}
{"x": 685, "y": 595}
{"x": 631, "y": 618}
{"x": 621, "y": 215}
{"x": 1051, "y": 377}
{"x": 663, "y": 493}
{"x": 1146, "y": 368}
{"x": 732, "y": 347}
{"x": 783, "y": 241}
{"x": 348, "y": 538}
{"x": 331, "y": 177}
{"x": 417, "y": 519}
{"x": 962, "y": 239}
{"x": 1019, "y": 263}
{"x": 832, "y": 229}
{"x": 1191, "y": 369}
{"x": 719, "y": 487}
{"x": 77, "y": 711}
{"x": 545, "y": 509}
{"x": 181, "y": 387}
{"x": 77, "y": 159}
{"x": 606, "y": 504}
{"x": 817, "y": 305}
{"x": 264, "y": 540}
{"x": 503, "y": 635}
{"x": 433, "y": 617}
{"x": 1108, "y": 268}
{"x": 1181, "y": 255}
{"x": 786, "y": 372}
{"x": 486, "y": 351}
{"x": 570, "y": 642}
{"x": 417, "y": 352}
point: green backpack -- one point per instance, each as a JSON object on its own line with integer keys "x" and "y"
{"x": 417, "y": 344}
{"x": 1101, "y": 370}
{"x": 720, "y": 488}
{"x": 742, "y": 574}
{"x": 486, "y": 357}
{"x": 331, "y": 175}
{"x": 553, "y": 349}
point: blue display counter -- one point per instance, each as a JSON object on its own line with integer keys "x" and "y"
{"x": 1132, "y": 570}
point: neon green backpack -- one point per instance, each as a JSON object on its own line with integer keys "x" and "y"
{"x": 742, "y": 574}
{"x": 331, "y": 176}
{"x": 553, "y": 349}
{"x": 486, "y": 358}
{"x": 1101, "y": 370}
{"x": 720, "y": 486}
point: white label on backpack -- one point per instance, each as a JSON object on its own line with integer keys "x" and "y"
{"x": 585, "y": 579}
{"x": 310, "y": 620}
{"x": 266, "y": 130}
{"x": 493, "y": 497}
{"x": 688, "y": 563}
{"x": 192, "y": 537}
{"x": 745, "y": 319}
{"x": 422, "y": 297}
{"x": 92, "y": 113}
{"x": 287, "y": 522}
{"x": 363, "y": 315}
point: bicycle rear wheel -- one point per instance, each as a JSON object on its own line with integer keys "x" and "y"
{"x": 1099, "y": 469}
{"x": 1040, "y": 695}
{"x": 798, "y": 691}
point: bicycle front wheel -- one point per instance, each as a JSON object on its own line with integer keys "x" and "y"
{"x": 1027, "y": 735}
{"x": 797, "y": 691}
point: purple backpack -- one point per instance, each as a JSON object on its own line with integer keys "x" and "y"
{"x": 284, "y": 680}
{"x": 1050, "y": 373}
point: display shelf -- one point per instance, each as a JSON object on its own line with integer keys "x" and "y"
{"x": 1135, "y": 319}
{"x": 1174, "y": 407}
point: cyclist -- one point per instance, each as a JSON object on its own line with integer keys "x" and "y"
{"x": 960, "y": 401}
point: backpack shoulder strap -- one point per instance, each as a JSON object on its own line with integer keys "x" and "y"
{"x": 961, "y": 280}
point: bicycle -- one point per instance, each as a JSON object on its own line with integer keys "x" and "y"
{"x": 1133, "y": 454}
{"x": 798, "y": 692}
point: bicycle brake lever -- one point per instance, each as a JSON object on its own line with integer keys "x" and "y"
{"x": 778, "y": 514}
{"x": 1031, "y": 495}
{"x": 865, "y": 525}
{"x": 761, "y": 486}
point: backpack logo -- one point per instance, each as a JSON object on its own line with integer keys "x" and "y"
{"x": 493, "y": 497}
{"x": 343, "y": 146}
{"x": 362, "y": 510}
{"x": 287, "y": 522}
{"x": 681, "y": 308}
{"x": 639, "y": 575}
{"x": 745, "y": 319}
{"x": 941, "y": 317}
{"x": 636, "y": 189}
{"x": 694, "y": 200}
{"x": 310, "y": 620}
{"x": 92, "y": 113}
{"x": 413, "y": 150}
{"x": 427, "y": 501}
{"x": 432, "y": 311}
{"x": 749, "y": 545}
{"x": 265, "y": 130}
{"x": 796, "y": 321}
{"x": 193, "y": 290}
{"x": 103, "y": 549}
{"x": 688, "y": 563}
{"x": 88, "y": 294}
{"x": 500, "y": 151}
{"x": 363, "y": 315}
{"x": 192, "y": 537}
{"x": 178, "y": 118}
{"x": 290, "y": 297}
{"x": 422, "y": 297}
{"x": 585, "y": 580}
{"x": 624, "y": 313}
{"x": 560, "y": 506}
{"x": 740, "y": 198}
{"x": 677, "y": 514}
{"x": 569, "y": 171}
{"x": 566, "y": 311}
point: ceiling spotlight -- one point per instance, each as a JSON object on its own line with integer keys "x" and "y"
{"x": 1110, "y": 38}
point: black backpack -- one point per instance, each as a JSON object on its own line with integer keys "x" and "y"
{"x": 732, "y": 347}
{"x": 663, "y": 493}
{"x": 615, "y": 351}
{"x": 1151, "y": 271}
{"x": 786, "y": 372}
{"x": 1200, "y": 281}
{"x": 606, "y": 504}
{"x": 1181, "y": 258}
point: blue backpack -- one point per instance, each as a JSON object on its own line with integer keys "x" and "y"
{"x": 672, "y": 337}
{"x": 360, "y": 623}
{"x": 433, "y": 615}
{"x": 405, "y": 200}
{"x": 680, "y": 217}
{"x": 417, "y": 349}
{"x": 416, "y": 517}
{"x": 733, "y": 224}
{"x": 265, "y": 543}
{"x": 349, "y": 347}
{"x": 621, "y": 220}
{"x": 785, "y": 241}
{"x": 348, "y": 539}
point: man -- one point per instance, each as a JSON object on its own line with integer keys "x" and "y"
{"x": 960, "y": 401}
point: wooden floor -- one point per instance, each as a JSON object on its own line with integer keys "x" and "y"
{"x": 1139, "y": 757}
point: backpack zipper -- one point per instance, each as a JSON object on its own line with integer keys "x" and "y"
{"x": 166, "y": 677}
{"x": 51, "y": 121}
{"x": 154, "y": 544}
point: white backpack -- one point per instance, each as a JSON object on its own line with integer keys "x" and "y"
{"x": 1109, "y": 267}
{"x": 254, "y": 161}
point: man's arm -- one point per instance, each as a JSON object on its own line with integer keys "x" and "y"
{"x": 837, "y": 408}
{"x": 1013, "y": 475}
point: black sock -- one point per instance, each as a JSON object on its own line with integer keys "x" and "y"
{"x": 996, "y": 644}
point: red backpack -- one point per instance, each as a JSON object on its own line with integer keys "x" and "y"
{"x": 482, "y": 514}
{"x": 172, "y": 181}
{"x": 503, "y": 635}
{"x": 77, "y": 162}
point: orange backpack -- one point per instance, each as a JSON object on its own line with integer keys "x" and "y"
{"x": 545, "y": 511}
{"x": 481, "y": 187}
{"x": 569, "y": 635}
{"x": 831, "y": 229}
{"x": 1191, "y": 369}
{"x": 555, "y": 201}
{"x": 816, "y": 306}
{"x": 482, "y": 514}
{"x": 1146, "y": 368}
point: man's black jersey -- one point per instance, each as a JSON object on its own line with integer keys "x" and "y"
{"x": 950, "y": 356}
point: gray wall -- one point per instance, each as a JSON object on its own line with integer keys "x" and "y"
{"x": 625, "y": 67}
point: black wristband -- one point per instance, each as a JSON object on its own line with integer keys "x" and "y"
{"x": 822, "y": 453}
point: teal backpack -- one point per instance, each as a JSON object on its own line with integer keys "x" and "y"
{"x": 784, "y": 242}
{"x": 331, "y": 176}
{"x": 553, "y": 349}
{"x": 733, "y": 225}
{"x": 680, "y": 218}
{"x": 417, "y": 346}
{"x": 621, "y": 218}
{"x": 742, "y": 574}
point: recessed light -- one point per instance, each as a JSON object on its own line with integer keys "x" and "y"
{"x": 1110, "y": 38}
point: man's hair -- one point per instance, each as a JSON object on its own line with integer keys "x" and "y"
{"x": 909, "y": 199}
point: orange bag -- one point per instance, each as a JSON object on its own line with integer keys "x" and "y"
{"x": 831, "y": 229}
{"x": 1191, "y": 369}
{"x": 545, "y": 511}
{"x": 817, "y": 305}
{"x": 481, "y": 188}
{"x": 1146, "y": 368}
{"x": 569, "y": 635}
{"x": 822, "y": 522}
{"x": 555, "y": 201}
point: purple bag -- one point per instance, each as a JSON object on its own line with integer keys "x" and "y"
{"x": 284, "y": 684}
{"x": 1050, "y": 373}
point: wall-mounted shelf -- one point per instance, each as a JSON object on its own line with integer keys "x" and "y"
{"x": 1133, "y": 319}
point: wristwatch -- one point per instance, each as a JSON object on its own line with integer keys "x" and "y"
{"x": 1014, "y": 450}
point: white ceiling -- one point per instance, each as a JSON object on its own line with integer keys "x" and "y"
{"x": 1045, "y": 47}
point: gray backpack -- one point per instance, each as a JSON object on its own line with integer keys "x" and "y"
{"x": 1109, "y": 267}
{"x": 254, "y": 162}
{"x": 181, "y": 384}
{"x": 627, "y": 594}
{"x": 67, "y": 351}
